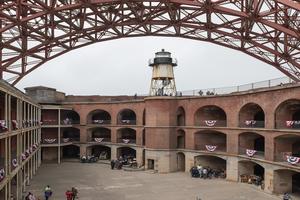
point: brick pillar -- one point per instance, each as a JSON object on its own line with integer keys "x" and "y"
{"x": 113, "y": 152}
{"x": 189, "y": 161}
{"x": 269, "y": 147}
{"x": 232, "y": 171}
{"x": 139, "y": 156}
{"x": 269, "y": 180}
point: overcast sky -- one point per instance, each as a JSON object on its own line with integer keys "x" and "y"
{"x": 121, "y": 67}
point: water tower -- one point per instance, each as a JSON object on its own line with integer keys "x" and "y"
{"x": 162, "y": 81}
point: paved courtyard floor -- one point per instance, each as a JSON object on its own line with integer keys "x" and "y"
{"x": 99, "y": 182}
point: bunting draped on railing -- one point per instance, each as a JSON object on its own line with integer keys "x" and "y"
{"x": 98, "y": 139}
{"x": 50, "y": 141}
{"x": 98, "y": 121}
{"x": 23, "y": 156}
{"x": 250, "y": 152}
{"x": 210, "y": 122}
{"x": 292, "y": 160}
{"x": 66, "y": 139}
{"x": 126, "y": 141}
{"x": 250, "y": 122}
{"x": 30, "y": 149}
{"x": 15, "y": 124}
{"x": 2, "y": 174}
{"x": 14, "y": 163}
{"x": 291, "y": 123}
{"x": 211, "y": 147}
{"x": 125, "y": 121}
{"x": 3, "y": 125}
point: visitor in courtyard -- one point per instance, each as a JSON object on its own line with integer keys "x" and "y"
{"x": 48, "y": 192}
{"x": 69, "y": 195}
{"x": 30, "y": 196}
{"x": 287, "y": 196}
{"x": 112, "y": 164}
{"x": 74, "y": 193}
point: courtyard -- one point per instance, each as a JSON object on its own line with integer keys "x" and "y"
{"x": 98, "y": 182}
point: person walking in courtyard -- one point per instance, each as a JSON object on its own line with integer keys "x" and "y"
{"x": 74, "y": 193}
{"x": 69, "y": 195}
{"x": 48, "y": 192}
{"x": 112, "y": 164}
{"x": 287, "y": 196}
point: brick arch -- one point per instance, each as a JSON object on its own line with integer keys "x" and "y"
{"x": 210, "y": 112}
{"x": 251, "y": 115}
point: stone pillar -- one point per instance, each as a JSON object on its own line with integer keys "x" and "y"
{"x": 113, "y": 152}
{"x": 232, "y": 171}
{"x": 113, "y": 135}
{"x": 269, "y": 180}
{"x": 139, "y": 155}
{"x": 83, "y": 150}
{"x": 189, "y": 161}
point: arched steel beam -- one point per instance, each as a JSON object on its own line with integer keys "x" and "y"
{"x": 33, "y": 32}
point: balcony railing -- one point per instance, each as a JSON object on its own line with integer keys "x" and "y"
{"x": 100, "y": 139}
{"x": 288, "y": 158}
{"x": 251, "y": 153}
{"x": 127, "y": 122}
{"x": 50, "y": 122}
{"x": 50, "y": 141}
{"x": 211, "y": 147}
{"x": 287, "y": 124}
{"x": 126, "y": 141}
{"x": 211, "y": 123}
{"x": 67, "y": 140}
{"x": 252, "y": 124}
{"x": 69, "y": 122}
{"x": 100, "y": 121}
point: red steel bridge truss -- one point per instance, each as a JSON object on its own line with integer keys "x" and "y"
{"x": 35, "y": 31}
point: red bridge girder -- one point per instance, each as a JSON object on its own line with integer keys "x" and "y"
{"x": 35, "y": 31}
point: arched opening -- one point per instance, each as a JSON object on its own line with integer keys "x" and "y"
{"x": 180, "y": 116}
{"x": 69, "y": 117}
{"x": 49, "y": 117}
{"x": 286, "y": 147}
{"x": 126, "y": 135}
{"x": 287, "y": 181}
{"x": 99, "y": 117}
{"x": 180, "y": 162}
{"x": 49, "y": 135}
{"x": 287, "y": 115}
{"x": 101, "y": 151}
{"x": 252, "y": 144}
{"x": 215, "y": 166}
{"x": 209, "y": 140}
{"x": 70, "y": 134}
{"x": 100, "y": 135}
{"x": 70, "y": 151}
{"x": 251, "y": 172}
{"x": 126, "y": 152}
{"x": 252, "y": 115}
{"x": 211, "y": 116}
{"x": 127, "y": 117}
{"x": 180, "y": 139}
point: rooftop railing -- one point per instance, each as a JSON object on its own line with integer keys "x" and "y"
{"x": 234, "y": 89}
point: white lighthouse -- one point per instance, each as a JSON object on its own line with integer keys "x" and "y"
{"x": 162, "y": 81}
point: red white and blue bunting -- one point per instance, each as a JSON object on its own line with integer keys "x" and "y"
{"x": 126, "y": 121}
{"x": 211, "y": 147}
{"x": 14, "y": 163}
{"x": 292, "y": 160}
{"x": 2, "y": 174}
{"x": 291, "y": 123}
{"x": 98, "y": 139}
{"x": 210, "y": 122}
{"x": 50, "y": 141}
{"x": 250, "y": 152}
{"x": 126, "y": 141}
{"x": 66, "y": 139}
{"x": 3, "y": 125}
{"x": 250, "y": 122}
{"x": 23, "y": 156}
{"x": 98, "y": 121}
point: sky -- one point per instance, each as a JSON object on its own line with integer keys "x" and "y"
{"x": 120, "y": 67}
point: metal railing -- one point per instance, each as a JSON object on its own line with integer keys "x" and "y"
{"x": 100, "y": 121}
{"x": 211, "y": 123}
{"x": 126, "y": 141}
{"x": 66, "y": 140}
{"x": 219, "y": 147}
{"x": 127, "y": 122}
{"x": 252, "y": 124}
{"x": 94, "y": 139}
{"x": 240, "y": 88}
{"x": 50, "y": 122}
{"x": 286, "y": 124}
{"x": 282, "y": 157}
{"x": 257, "y": 154}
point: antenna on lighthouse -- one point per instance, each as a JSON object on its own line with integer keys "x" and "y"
{"x": 162, "y": 81}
